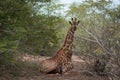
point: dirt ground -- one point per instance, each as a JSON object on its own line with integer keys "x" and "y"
{"x": 78, "y": 73}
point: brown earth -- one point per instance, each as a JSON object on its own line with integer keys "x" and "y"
{"x": 78, "y": 73}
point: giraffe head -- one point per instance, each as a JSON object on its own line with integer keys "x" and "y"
{"x": 74, "y": 22}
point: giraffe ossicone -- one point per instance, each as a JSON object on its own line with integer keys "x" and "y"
{"x": 61, "y": 62}
{"x": 74, "y": 21}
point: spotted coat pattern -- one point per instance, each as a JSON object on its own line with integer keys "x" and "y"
{"x": 61, "y": 62}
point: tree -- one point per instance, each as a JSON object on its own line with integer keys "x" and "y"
{"x": 23, "y": 29}
{"x": 98, "y": 33}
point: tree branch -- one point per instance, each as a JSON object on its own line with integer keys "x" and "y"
{"x": 85, "y": 39}
{"x": 100, "y": 44}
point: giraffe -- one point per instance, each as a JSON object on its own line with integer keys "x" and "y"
{"x": 61, "y": 61}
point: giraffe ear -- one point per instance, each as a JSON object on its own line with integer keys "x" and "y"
{"x": 70, "y": 22}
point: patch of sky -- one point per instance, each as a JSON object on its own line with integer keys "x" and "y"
{"x": 67, "y": 3}
{"x": 62, "y": 10}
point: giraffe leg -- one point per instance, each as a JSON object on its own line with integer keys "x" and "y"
{"x": 67, "y": 67}
{"x": 61, "y": 70}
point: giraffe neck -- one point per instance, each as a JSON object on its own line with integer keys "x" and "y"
{"x": 67, "y": 44}
{"x": 69, "y": 38}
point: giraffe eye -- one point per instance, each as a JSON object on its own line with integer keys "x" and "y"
{"x": 78, "y": 22}
{"x": 72, "y": 19}
{"x": 70, "y": 22}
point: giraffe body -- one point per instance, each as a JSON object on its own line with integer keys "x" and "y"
{"x": 61, "y": 62}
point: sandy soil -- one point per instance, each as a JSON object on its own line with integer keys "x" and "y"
{"x": 78, "y": 73}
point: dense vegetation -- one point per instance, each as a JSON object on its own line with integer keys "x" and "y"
{"x": 24, "y": 28}
{"x": 98, "y": 35}
{"x": 37, "y": 27}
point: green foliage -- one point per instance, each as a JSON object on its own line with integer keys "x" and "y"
{"x": 23, "y": 29}
{"x": 12, "y": 15}
{"x": 40, "y": 38}
{"x": 99, "y": 32}
{"x": 6, "y": 58}
{"x": 99, "y": 19}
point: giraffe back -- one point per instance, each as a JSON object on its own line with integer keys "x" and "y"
{"x": 60, "y": 62}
